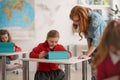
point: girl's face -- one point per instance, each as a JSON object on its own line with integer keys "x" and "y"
{"x": 52, "y": 42}
{"x": 115, "y": 51}
{"x": 4, "y": 38}
{"x": 76, "y": 20}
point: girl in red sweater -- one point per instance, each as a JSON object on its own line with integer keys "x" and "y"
{"x": 107, "y": 59}
{"x": 48, "y": 71}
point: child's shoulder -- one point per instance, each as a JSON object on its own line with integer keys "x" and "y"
{"x": 106, "y": 60}
{"x": 42, "y": 44}
{"x": 60, "y": 45}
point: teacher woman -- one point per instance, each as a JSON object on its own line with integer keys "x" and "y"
{"x": 90, "y": 24}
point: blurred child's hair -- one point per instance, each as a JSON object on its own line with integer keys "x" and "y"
{"x": 3, "y": 32}
{"x": 110, "y": 37}
{"x": 52, "y": 34}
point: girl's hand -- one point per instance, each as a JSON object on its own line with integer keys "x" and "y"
{"x": 42, "y": 54}
{"x": 82, "y": 56}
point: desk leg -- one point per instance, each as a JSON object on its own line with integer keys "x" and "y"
{"x": 67, "y": 72}
{"x": 24, "y": 55}
{"x": 75, "y": 48}
{"x": 84, "y": 70}
{"x": 4, "y": 77}
{"x": 25, "y": 70}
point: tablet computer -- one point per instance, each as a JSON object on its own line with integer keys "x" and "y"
{"x": 6, "y": 47}
{"x": 57, "y": 55}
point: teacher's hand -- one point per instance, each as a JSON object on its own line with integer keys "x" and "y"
{"x": 82, "y": 56}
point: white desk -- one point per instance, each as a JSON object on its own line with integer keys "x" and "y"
{"x": 3, "y": 55}
{"x": 66, "y": 62}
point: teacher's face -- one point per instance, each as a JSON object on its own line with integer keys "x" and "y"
{"x": 76, "y": 20}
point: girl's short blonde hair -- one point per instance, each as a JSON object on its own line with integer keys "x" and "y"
{"x": 52, "y": 34}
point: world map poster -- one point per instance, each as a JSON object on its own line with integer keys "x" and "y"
{"x": 17, "y": 16}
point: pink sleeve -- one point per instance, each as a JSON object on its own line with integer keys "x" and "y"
{"x": 17, "y": 49}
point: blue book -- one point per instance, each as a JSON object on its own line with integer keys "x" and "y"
{"x": 52, "y": 55}
{"x": 6, "y": 47}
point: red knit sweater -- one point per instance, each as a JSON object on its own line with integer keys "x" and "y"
{"x": 17, "y": 49}
{"x": 44, "y": 47}
{"x": 107, "y": 69}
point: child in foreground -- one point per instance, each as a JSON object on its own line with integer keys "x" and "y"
{"x": 107, "y": 59}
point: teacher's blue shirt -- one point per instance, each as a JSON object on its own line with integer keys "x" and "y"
{"x": 96, "y": 27}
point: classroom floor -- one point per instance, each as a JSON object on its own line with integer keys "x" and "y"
{"x": 75, "y": 75}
